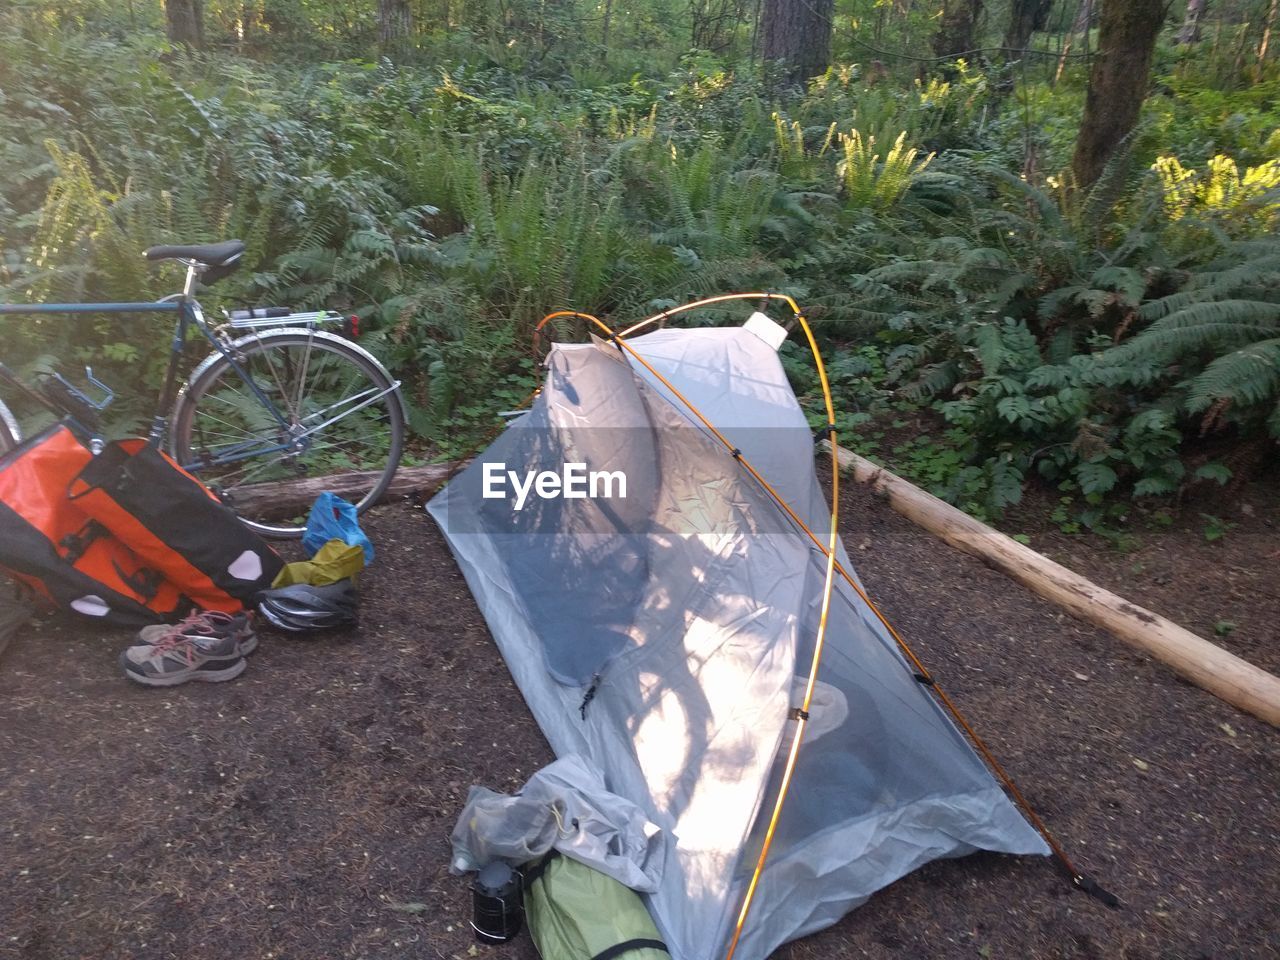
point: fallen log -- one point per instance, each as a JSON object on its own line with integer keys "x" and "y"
{"x": 287, "y": 497}
{"x": 1205, "y": 664}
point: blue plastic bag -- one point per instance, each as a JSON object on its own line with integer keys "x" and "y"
{"x": 332, "y": 518}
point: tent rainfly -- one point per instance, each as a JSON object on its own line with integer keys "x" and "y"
{"x": 659, "y": 610}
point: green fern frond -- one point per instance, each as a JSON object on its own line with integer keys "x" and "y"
{"x": 933, "y": 381}
{"x": 1220, "y": 323}
{"x": 1246, "y": 377}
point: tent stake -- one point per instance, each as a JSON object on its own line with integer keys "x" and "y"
{"x": 1205, "y": 664}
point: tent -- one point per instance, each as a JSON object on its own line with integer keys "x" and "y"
{"x": 666, "y": 636}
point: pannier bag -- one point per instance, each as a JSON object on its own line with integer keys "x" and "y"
{"x": 64, "y": 555}
{"x": 175, "y": 524}
{"x": 577, "y": 913}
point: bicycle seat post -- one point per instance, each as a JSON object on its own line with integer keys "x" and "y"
{"x": 193, "y": 272}
{"x": 188, "y": 311}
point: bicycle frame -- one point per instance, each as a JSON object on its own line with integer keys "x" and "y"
{"x": 189, "y": 314}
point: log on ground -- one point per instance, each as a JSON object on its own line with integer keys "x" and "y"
{"x": 286, "y": 497}
{"x": 1205, "y": 664}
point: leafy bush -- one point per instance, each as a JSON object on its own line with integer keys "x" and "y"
{"x": 452, "y": 196}
{"x": 1217, "y": 340}
{"x": 1076, "y": 352}
{"x": 870, "y": 182}
{"x": 1247, "y": 203}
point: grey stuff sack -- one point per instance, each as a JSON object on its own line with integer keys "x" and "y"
{"x": 565, "y": 807}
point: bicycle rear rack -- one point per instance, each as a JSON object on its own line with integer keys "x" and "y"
{"x": 260, "y": 317}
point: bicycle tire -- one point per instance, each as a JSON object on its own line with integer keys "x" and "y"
{"x": 268, "y": 357}
{"x": 10, "y": 434}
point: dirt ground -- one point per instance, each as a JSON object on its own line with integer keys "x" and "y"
{"x": 303, "y": 810}
{"x": 1213, "y": 570}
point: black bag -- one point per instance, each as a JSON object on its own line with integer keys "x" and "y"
{"x": 175, "y": 524}
{"x": 65, "y": 557}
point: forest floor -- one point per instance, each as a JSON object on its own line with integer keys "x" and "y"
{"x": 303, "y": 811}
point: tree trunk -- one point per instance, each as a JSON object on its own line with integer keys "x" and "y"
{"x": 1266, "y": 35}
{"x": 394, "y": 20}
{"x": 797, "y": 33}
{"x": 1189, "y": 32}
{"x": 756, "y": 15}
{"x": 604, "y": 31}
{"x": 286, "y": 498}
{"x": 1084, "y": 16}
{"x": 959, "y": 21}
{"x": 1026, "y": 17}
{"x": 1117, "y": 83}
{"x": 184, "y": 22}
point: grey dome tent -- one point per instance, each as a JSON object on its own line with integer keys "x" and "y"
{"x": 666, "y": 636}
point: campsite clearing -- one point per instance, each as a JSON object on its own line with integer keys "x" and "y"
{"x": 304, "y": 810}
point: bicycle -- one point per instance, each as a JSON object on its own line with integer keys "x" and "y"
{"x": 280, "y": 400}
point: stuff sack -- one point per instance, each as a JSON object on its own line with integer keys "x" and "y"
{"x": 174, "y": 523}
{"x": 62, "y": 554}
{"x": 333, "y": 562}
{"x": 577, "y": 913}
{"x": 332, "y": 518}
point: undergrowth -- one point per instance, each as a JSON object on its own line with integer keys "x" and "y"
{"x": 1095, "y": 342}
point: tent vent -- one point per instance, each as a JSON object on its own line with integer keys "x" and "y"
{"x": 766, "y": 329}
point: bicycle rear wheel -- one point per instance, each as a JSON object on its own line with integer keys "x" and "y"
{"x": 332, "y": 420}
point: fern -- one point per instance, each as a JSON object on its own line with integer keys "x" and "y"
{"x": 1225, "y": 343}
{"x": 1217, "y": 323}
{"x": 1246, "y": 377}
{"x": 870, "y": 182}
{"x": 1249, "y": 201}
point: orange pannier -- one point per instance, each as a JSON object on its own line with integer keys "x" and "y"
{"x": 62, "y": 553}
{"x": 175, "y": 524}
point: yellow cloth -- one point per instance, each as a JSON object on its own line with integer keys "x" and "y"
{"x": 333, "y": 562}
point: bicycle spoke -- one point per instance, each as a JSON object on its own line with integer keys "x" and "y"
{"x": 300, "y": 403}
{"x": 280, "y": 385}
{"x": 226, "y": 423}
{"x": 352, "y": 399}
{"x": 360, "y": 406}
{"x": 307, "y": 399}
{"x": 342, "y": 415}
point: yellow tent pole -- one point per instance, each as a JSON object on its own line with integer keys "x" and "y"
{"x": 801, "y": 714}
{"x": 706, "y": 302}
{"x": 829, "y": 551}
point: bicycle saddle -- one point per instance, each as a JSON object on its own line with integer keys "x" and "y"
{"x": 210, "y": 254}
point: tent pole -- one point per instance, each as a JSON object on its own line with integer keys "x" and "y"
{"x": 800, "y": 715}
{"x": 1081, "y": 881}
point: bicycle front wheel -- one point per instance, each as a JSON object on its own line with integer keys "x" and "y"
{"x": 306, "y": 411}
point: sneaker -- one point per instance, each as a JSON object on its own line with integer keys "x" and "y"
{"x": 180, "y": 657}
{"x": 206, "y": 624}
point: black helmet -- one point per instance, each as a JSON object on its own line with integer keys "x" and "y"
{"x": 302, "y": 607}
